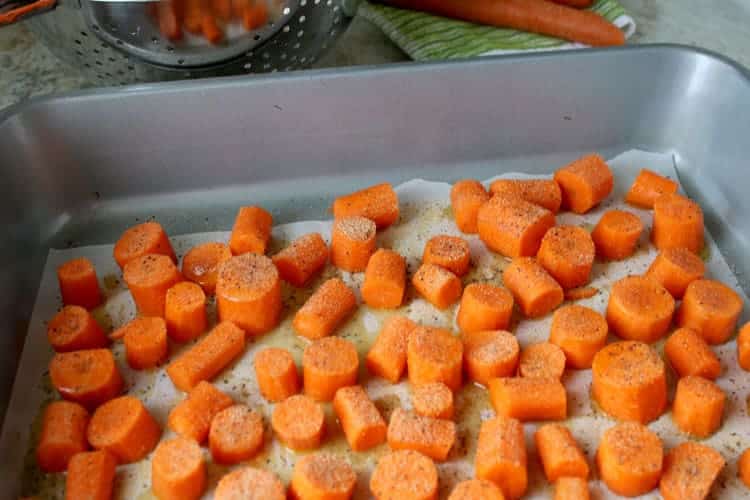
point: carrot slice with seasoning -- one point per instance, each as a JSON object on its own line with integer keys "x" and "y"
{"x": 571, "y": 488}
{"x": 387, "y": 356}
{"x": 449, "y": 252}
{"x": 251, "y": 231}
{"x": 432, "y": 437}
{"x": 276, "y": 374}
{"x": 329, "y": 364}
{"x": 63, "y": 435}
{"x": 88, "y": 377}
{"x": 326, "y": 309}
{"x": 79, "y": 285}
{"x": 201, "y": 264}
{"x": 248, "y": 483}
{"x": 678, "y": 222}
{"x": 528, "y": 398}
{"x": 299, "y": 422}
{"x": 690, "y": 354}
{"x": 584, "y": 183}
{"x": 74, "y": 329}
{"x": 543, "y": 192}
{"x": 385, "y": 280}
{"x": 148, "y": 279}
{"x": 352, "y": 243}
{"x": 501, "y": 455}
{"x": 236, "y": 435}
{"x": 640, "y": 309}
{"x": 476, "y": 489}
{"x": 536, "y": 292}
{"x": 91, "y": 475}
{"x": 698, "y": 406}
{"x": 489, "y": 354}
{"x": 378, "y": 203}
{"x": 629, "y": 459}
{"x": 467, "y": 196}
{"x": 434, "y": 400}
{"x": 513, "y": 227}
{"x": 322, "y": 476}
{"x": 363, "y": 425}
{"x": 192, "y": 417}
{"x": 647, "y": 187}
{"x": 178, "y": 470}
{"x": 145, "y": 340}
{"x": 710, "y": 308}
{"x": 559, "y": 452}
{"x": 484, "y": 307}
{"x": 125, "y": 428}
{"x": 302, "y": 260}
{"x": 567, "y": 254}
{"x": 616, "y": 234}
{"x": 404, "y": 474}
{"x": 437, "y": 285}
{"x": 580, "y": 332}
{"x": 690, "y": 470}
{"x": 434, "y": 355}
{"x": 675, "y": 269}
{"x": 185, "y": 311}
{"x": 140, "y": 240}
{"x": 542, "y": 360}
{"x": 743, "y": 347}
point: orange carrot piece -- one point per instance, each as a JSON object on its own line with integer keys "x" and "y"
{"x": 698, "y": 406}
{"x": 89, "y": 377}
{"x": 434, "y": 355}
{"x": 178, "y": 470}
{"x": 387, "y": 356}
{"x": 185, "y": 311}
{"x": 629, "y": 459}
{"x": 580, "y": 332}
{"x": 490, "y": 354}
{"x": 690, "y": 354}
{"x": 437, "y": 285}
{"x": 222, "y": 9}
{"x": 385, "y": 280}
{"x": 567, "y": 253}
{"x": 584, "y": 183}
{"x": 647, "y": 187}
{"x": 616, "y": 234}
{"x": 743, "y": 347}
{"x": 542, "y": 360}
{"x": 536, "y": 292}
{"x": 192, "y": 16}
{"x": 690, "y": 470}
{"x": 404, "y": 474}
{"x": 299, "y": 422}
{"x": 140, "y": 240}
{"x": 236, "y": 435}
{"x": 352, "y": 243}
{"x": 476, "y": 489}
{"x": 201, "y": 264}
{"x": 145, "y": 340}
{"x": 678, "y": 222}
{"x": 251, "y": 231}
{"x": 543, "y": 192}
{"x": 434, "y": 400}
{"x": 169, "y": 19}
{"x": 675, "y": 269}
{"x": 276, "y": 374}
{"x": 125, "y": 428}
{"x": 432, "y": 437}
{"x": 484, "y": 307}
{"x": 208, "y": 357}
{"x": 629, "y": 381}
{"x": 79, "y": 285}
{"x": 326, "y": 309}
{"x": 466, "y": 198}
{"x": 302, "y": 260}
{"x": 559, "y": 452}
{"x": 501, "y": 455}
{"x": 191, "y": 418}
{"x": 513, "y": 227}
{"x": 639, "y": 308}
{"x": 711, "y": 309}
{"x": 322, "y": 476}
{"x": 248, "y": 293}
{"x": 73, "y": 329}
{"x": 329, "y": 364}
{"x": 378, "y": 203}
{"x": 449, "y": 252}
{"x": 529, "y": 398}
{"x": 363, "y": 425}
{"x": 148, "y": 279}
{"x": 571, "y": 488}
{"x": 91, "y": 475}
{"x": 255, "y": 15}
{"x": 63, "y": 435}
{"x": 743, "y": 467}
{"x": 248, "y": 483}
{"x": 580, "y": 293}
{"x": 210, "y": 28}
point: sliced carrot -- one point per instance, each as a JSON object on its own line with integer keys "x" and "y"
{"x": 222, "y": 9}
{"x": 208, "y": 357}
{"x": 501, "y": 455}
{"x": 201, "y": 264}
{"x": 449, "y": 252}
{"x": 743, "y": 347}
{"x": 690, "y": 470}
{"x": 192, "y": 417}
{"x": 148, "y": 279}
{"x": 248, "y": 293}
{"x": 329, "y": 364}
{"x": 125, "y": 428}
{"x": 743, "y": 467}
{"x": 616, "y": 234}
{"x": 647, "y": 187}
{"x": 326, "y": 309}
{"x": 169, "y": 22}
{"x": 251, "y": 231}
{"x": 352, "y": 243}
{"x": 210, "y": 28}
{"x": 466, "y": 198}
{"x": 255, "y": 15}
{"x": 571, "y": 488}
{"x": 513, "y": 227}
{"x": 437, "y": 285}
{"x": 378, "y": 203}
{"x": 79, "y": 285}
{"x": 490, "y": 354}
{"x": 698, "y": 406}
{"x": 178, "y": 470}
{"x": 73, "y": 329}
{"x": 385, "y": 280}
{"x": 299, "y": 422}
{"x": 580, "y": 293}
{"x": 387, "y": 356}
{"x": 529, "y": 398}
{"x": 322, "y": 476}
{"x": 145, "y": 340}
{"x": 363, "y": 425}
{"x": 236, "y": 435}
{"x": 559, "y": 452}
{"x": 580, "y": 332}
{"x": 711, "y": 309}
{"x": 536, "y": 292}
{"x": 567, "y": 253}
{"x": 542, "y": 360}
{"x": 91, "y": 475}
{"x": 192, "y": 17}
{"x": 404, "y": 474}
{"x": 185, "y": 311}
{"x": 140, "y": 240}
{"x": 276, "y": 374}
{"x": 584, "y": 183}
{"x": 434, "y": 355}
{"x": 248, "y": 483}
{"x": 690, "y": 354}
{"x": 302, "y": 260}
{"x": 433, "y": 400}
{"x": 63, "y": 435}
{"x": 476, "y": 489}
{"x": 639, "y": 308}
{"x": 484, "y": 307}
{"x": 432, "y": 437}
{"x": 89, "y": 377}
{"x": 678, "y": 222}
{"x": 629, "y": 381}
{"x": 629, "y": 459}
{"x": 675, "y": 268}
{"x": 543, "y": 192}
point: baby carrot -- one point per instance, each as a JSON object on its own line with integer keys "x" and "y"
{"x": 528, "y": 398}
{"x": 302, "y": 260}
{"x": 647, "y": 187}
{"x": 91, "y": 475}
{"x": 489, "y": 354}
{"x": 201, "y": 264}
{"x": 361, "y": 421}
{"x": 79, "y": 285}
{"x": 248, "y": 483}
{"x": 434, "y": 355}
{"x": 560, "y": 454}
{"x": 73, "y": 329}
{"x": 675, "y": 268}
{"x": 404, "y": 474}
{"x": 88, "y": 377}
{"x": 326, "y": 309}
{"x": 322, "y": 476}
{"x": 255, "y": 15}
{"x": 476, "y": 489}
{"x": 63, "y": 435}
{"x": 743, "y": 347}
{"x": 185, "y": 311}
{"x": 690, "y": 470}
{"x": 698, "y": 406}
{"x": 329, "y": 364}
{"x": 378, "y": 203}
{"x": 385, "y": 280}
{"x": 148, "y": 279}
{"x": 125, "y": 428}
{"x": 711, "y": 309}
{"x": 208, "y": 357}
{"x": 352, "y": 243}
{"x": 140, "y": 240}
{"x": 536, "y": 292}
{"x": 743, "y": 467}
{"x": 145, "y": 339}
{"x": 639, "y": 308}
{"x": 629, "y": 459}
{"x": 584, "y": 183}
{"x": 567, "y": 253}
{"x": 236, "y": 435}
{"x": 466, "y": 198}
{"x": 513, "y": 227}
{"x": 678, "y": 222}
{"x": 501, "y": 455}
{"x": 571, "y": 488}
{"x": 192, "y": 417}
{"x": 387, "y": 356}
{"x": 432, "y": 437}
{"x": 580, "y": 332}
{"x": 299, "y": 422}
{"x": 437, "y": 285}
{"x": 542, "y": 360}
{"x": 543, "y": 192}
{"x": 178, "y": 470}
{"x": 251, "y": 231}
{"x": 449, "y": 252}
{"x": 276, "y": 374}
{"x": 689, "y": 354}
{"x": 484, "y": 307}
{"x": 616, "y": 234}
{"x": 434, "y": 400}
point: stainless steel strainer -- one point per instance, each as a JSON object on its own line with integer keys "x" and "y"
{"x": 120, "y": 42}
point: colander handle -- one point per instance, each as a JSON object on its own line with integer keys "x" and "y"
{"x": 26, "y": 10}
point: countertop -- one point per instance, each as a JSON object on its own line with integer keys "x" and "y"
{"x": 28, "y": 69}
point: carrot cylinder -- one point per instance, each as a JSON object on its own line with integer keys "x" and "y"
{"x": 387, "y": 356}
{"x": 148, "y": 279}
{"x": 178, "y": 470}
{"x": 385, "y": 280}
{"x": 88, "y": 377}
{"x": 711, "y": 309}
{"x": 616, "y": 234}
{"x": 639, "y": 309}
{"x": 675, "y": 269}
{"x": 361, "y": 421}
{"x": 743, "y": 347}
{"x": 434, "y": 355}
{"x": 404, "y": 474}
{"x": 185, "y": 311}
{"x": 145, "y": 341}
{"x": 466, "y": 198}
{"x": 125, "y": 428}
{"x": 678, "y": 222}
{"x": 476, "y": 489}
{"x": 559, "y": 452}
{"x": 352, "y": 243}
{"x": 501, "y": 455}
{"x": 73, "y": 329}
{"x": 543, "y": 192}
{"x": 580, "y": 332}
{"x": 236, "y": 435}
{"x": 484, "y": 307}
{"x": 690, "y": 354}
{"x": 542, "y": 360}
{"x": 629, "y": 459}
{"x": 322, "y": 476}
{"x": 432, "y": 437}
{"x": 584, "y": 183}
{"x": 276, "y": 374}
{"x": 378, "y": 203}
{"x": 299, "y": 422}
{"x": 255, "y": 16}
{"x": 192, "y": 417}
{"x": 513, "y": 227}
{"x": 490, "y": 354}
{"x": 326, "y": 309}
{"x": 528, "y": 398}
{"x": 434, "y": 400}
{"x": 63, "y": 435}
{"x": 201, "y": 264}
{"x": 647, "y": 187}
{"x": 571, "y": 488}
{"x": 79, "y": 285}
{"x": 140, "y": 240}
{"x": 302, "y": 260}
{"x": 698, "y": 406}
{"x": 437, "y": 285}
{"x": 251, "y": 231}
{"x": 329, "y": 364}
{"x": 743, "y": 467}
{"x": 91, "y": 475}
{"x": 690, "y": 470}
{"x": 261, "y": 483}
{"x": 567, "y": 253}
{"x": 536, "y": 292}
{"x": 449, "y": 252}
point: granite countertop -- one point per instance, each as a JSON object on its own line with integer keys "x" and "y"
{"x": 29, "y": 69}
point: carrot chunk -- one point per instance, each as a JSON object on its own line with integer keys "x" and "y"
{"x": 580, "y": 332}
{"x": 528, "y": 398}
{"x": 73, "y": 329}
{"x": 363, "y": 425}
{"x": 385, "y": 280}
{"x": 571, "y": 488}
{"x": 185, "y": 311}
{"x": 88, "y": 377}
{"x": 125, "y": 428}
{"x": 387, "y": 356}
{"x": 580, "y": 293}
{"x": 476, "y": 489}
{"x": 678, "y": 222}
{"x": 639, "y": 308}
{"x": 255, "y": 16}
{"x": 560, "y": 454}
{"x": 689, "y": 354}
{"x": 690, "y": 470}
{"x": 79, "y": 285}
{"x": 484, "y": 307}
{"x": 201, "y": 264}
{"x": 63, "y": 435}
{"x": 711, "y": 309}
{"x": 236, "y": 435}
{"x": 629, "y": 459}
{"x": 501, "y": 455}
{"x": 145, "y": 340}
{"x": 276, "y": 373}
{"x": 329, "y": 364}
{"x": 543, "y": 192}
{"x": 299, "y": 422}
{"x": 192, "y": 417}
{"x": 743, "y": 467}
{"x": 536, "y": 292}
{"x": 437, "y": 285}
{"x": 567, "y": 254}
{"x": 542, "y": 360}
{"x": 378, "y": 203}
{"x": 513, "y": 227}
{"x": 140, "y": 240}
{"x": 490, "y": 354}
{"x": 326, "y": 309}
{"x": 743, "y": 347}
{"x": 302, "y": 260}
{"x": 178, "y": 470}
{"x": 91, "y": 475}
{"x": 698, "y": 406}
{"x": 404, "y": 474}
{"x": 322, "y": 476}
{"x": 251, "y": 231}
{"x": 467, "y": 196}
{"x": 675, "y": 268}
{"x": 432, "y": 437}
{"x": 248, "y": 483}
{"x": 148, "y": 279}
{"x": 449, "y": 252}
{"x": 434, "y": 400}
{"x": 616, "y": 234}
{"x": 434, "y": 355}
{"x": 584, "y": 183}
{"x": 352, "y": 243}
{"x": 647, "y": 187}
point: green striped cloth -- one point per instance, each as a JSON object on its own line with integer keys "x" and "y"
{"x": 426, "y": 37}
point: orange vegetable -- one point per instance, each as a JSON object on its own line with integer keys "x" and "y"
{"x": 484, "y": 307}
{"x": 513, "y": 227}
{"x": 639, "y": 308}
{"x": 434, "y": 400}
{"x": 185, "y": 311}
{"x": 385, "y": 280}
{"x": 299, "y": 422}
{"x": 528, "y": 398}
{"x": 178, "y": 470}
{"x": 580, "y": 293}
{"x": 302, "y": 260}
{"x": 352, "y": 243}
{"x": 193, "y": 14}
{"x": 647, "y": 187}
{"x": 698, "y": 406}
{"x": 378, "y": 203}
{"x": 125, "y": 428}
{"x": 145, "y": 340}
{"x": 580, "y": 332}
{"x": 675, "y": 268}
{"x": 248, "y": 483}
{"x": 79, "y": 285}
{"x": 616, "y": 234}
{"x": 743, "y": 347}
{"x": 210, "y": 28}
{"x": 148, "y": 279}
{"x": 361, "y": 421}
{"x": 437, "y": 285}
{"x": 201, "y": 264}
{"x": 489, "y": 354}
{"x": 63, "y": 435}
{"x": 192, "y": 417}
{"x": 690, "y": 470}
{"x": 326, "y": 309}
{"x": 560, "y": 454}
{"x": 571, "y": 488}
{"x": 476, "y": 489}
{"x": 501, "y": 455}
{"x": 222, "y": 9}
{"x": 543, "y": 192}
{"x": 404, "y": 474}
{"x": 434, "y": 355}
{"x": 584, "y": 183}
{"x": 255, "y": 15}
{"x": 322, "y": 476}
{"x": 711, "y": 309}
{"x": 208, "y": 357}
{"x": 689, "y": 354}
{"x": 743, "y": 467}
{"x": 678, "y": 222}
{"x": 236, "y": 435}
{"x": 387, "y": 356}
{"x": 536, "y": 292}
{"x": 91, "y": 475}
{"x": 432, "y": 437}
{"x": 567, "y": 253}
{"x": 140, "y": 240}
{"x": 89, "y": 377}
{"x": 542, "y": 360}
{"x": 276, "y": 374}
{"x": 251, "y": 231}
{"x": 629, "y": 381}
{"x": 449, "y": 252}
{"x": 629, "y": 459}
{"x": 169, "y": 21}
{"x": 73, "y": 329}
{"x": 466, "y": 198}
{"x": 329, "y": 364}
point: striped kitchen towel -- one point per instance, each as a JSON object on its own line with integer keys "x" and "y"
{"x": 426, "y": 37}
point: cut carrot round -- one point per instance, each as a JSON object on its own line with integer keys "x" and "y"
{"x": 248, "y": 293}
{"x": 437, "y": 285}
{"x": 432, "y": 437}
{"x": 543, "y": 192}
{"x": 404, "y": 474}
{"x": 88, "y": 377}
{"x": 678, "y": 222}
{"x": 567, "y": 253}
{"x": 542, "y": 360}
{"x": 385, "y": 280}
{"x": 79, "y": 285}
{"x": 647, "y": 187}
{"x": 580, "y": 332}
{"x": 449, "y": 252}
{"x": 145, "y": 340}
{"x": 484, "y": 307}
{"x": 528, "y": 399}
{"x": 236, "y": 435}
{"x": 352, "y": 243}
{"x": 629, "y": 459}
{"x": 326, "y": 309}
{"x": 743, "y": 347}
{"x": 378, "y": 203}
{"x": 63, "y": 435}
{"x": 536, "y": 292}
{"x": 639, "y": 308}
{"x": 251, "y": 231}
{"x": 248, "y": 483}
{"x": 322, "y": 476}
{"x": 148, "y": 279}
{"x": 490, "y": 354}
{"x": 73, "y": 329}
{"x": 125, "y": 428}
{"x": 584, "y": 183}
{"x": 467, "y": 196}
{"x": 91, "y": 475}
{"x": 501, "y": 455}
{"x": 302, "y": 260}
{"x": 360, "y": 419}
{"x": 675, "y": 268}
{"x": 185, "y": 311}
{"x": 434, "y": 355}
{"x": 629, "y": 381}
{"x": 140, "y": 240}
{"x": 513, "y": 227}
{"x": 698, "y": 406}
{"x": 178, "y": 470}
{"x": 433, "y": 400}
{"x": 571, "y": 488}
{"x": 299, "y": 422}
{"x": 329, "y": 364}
{"x": 476, "y": 489}
{"x": 690, "y": 470}
{"x": 276, "y": 374}
{"x": 201, "y": 264}
{"x": 743, "y": 467}
{"x": 711, "y": 309}
{"x": 192, "y": 417}
{"x": 559, "y": 452}
{"x": 387, "y": 356}
{"x": 616, "y": 234}
{"x": 690, "y": 354}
